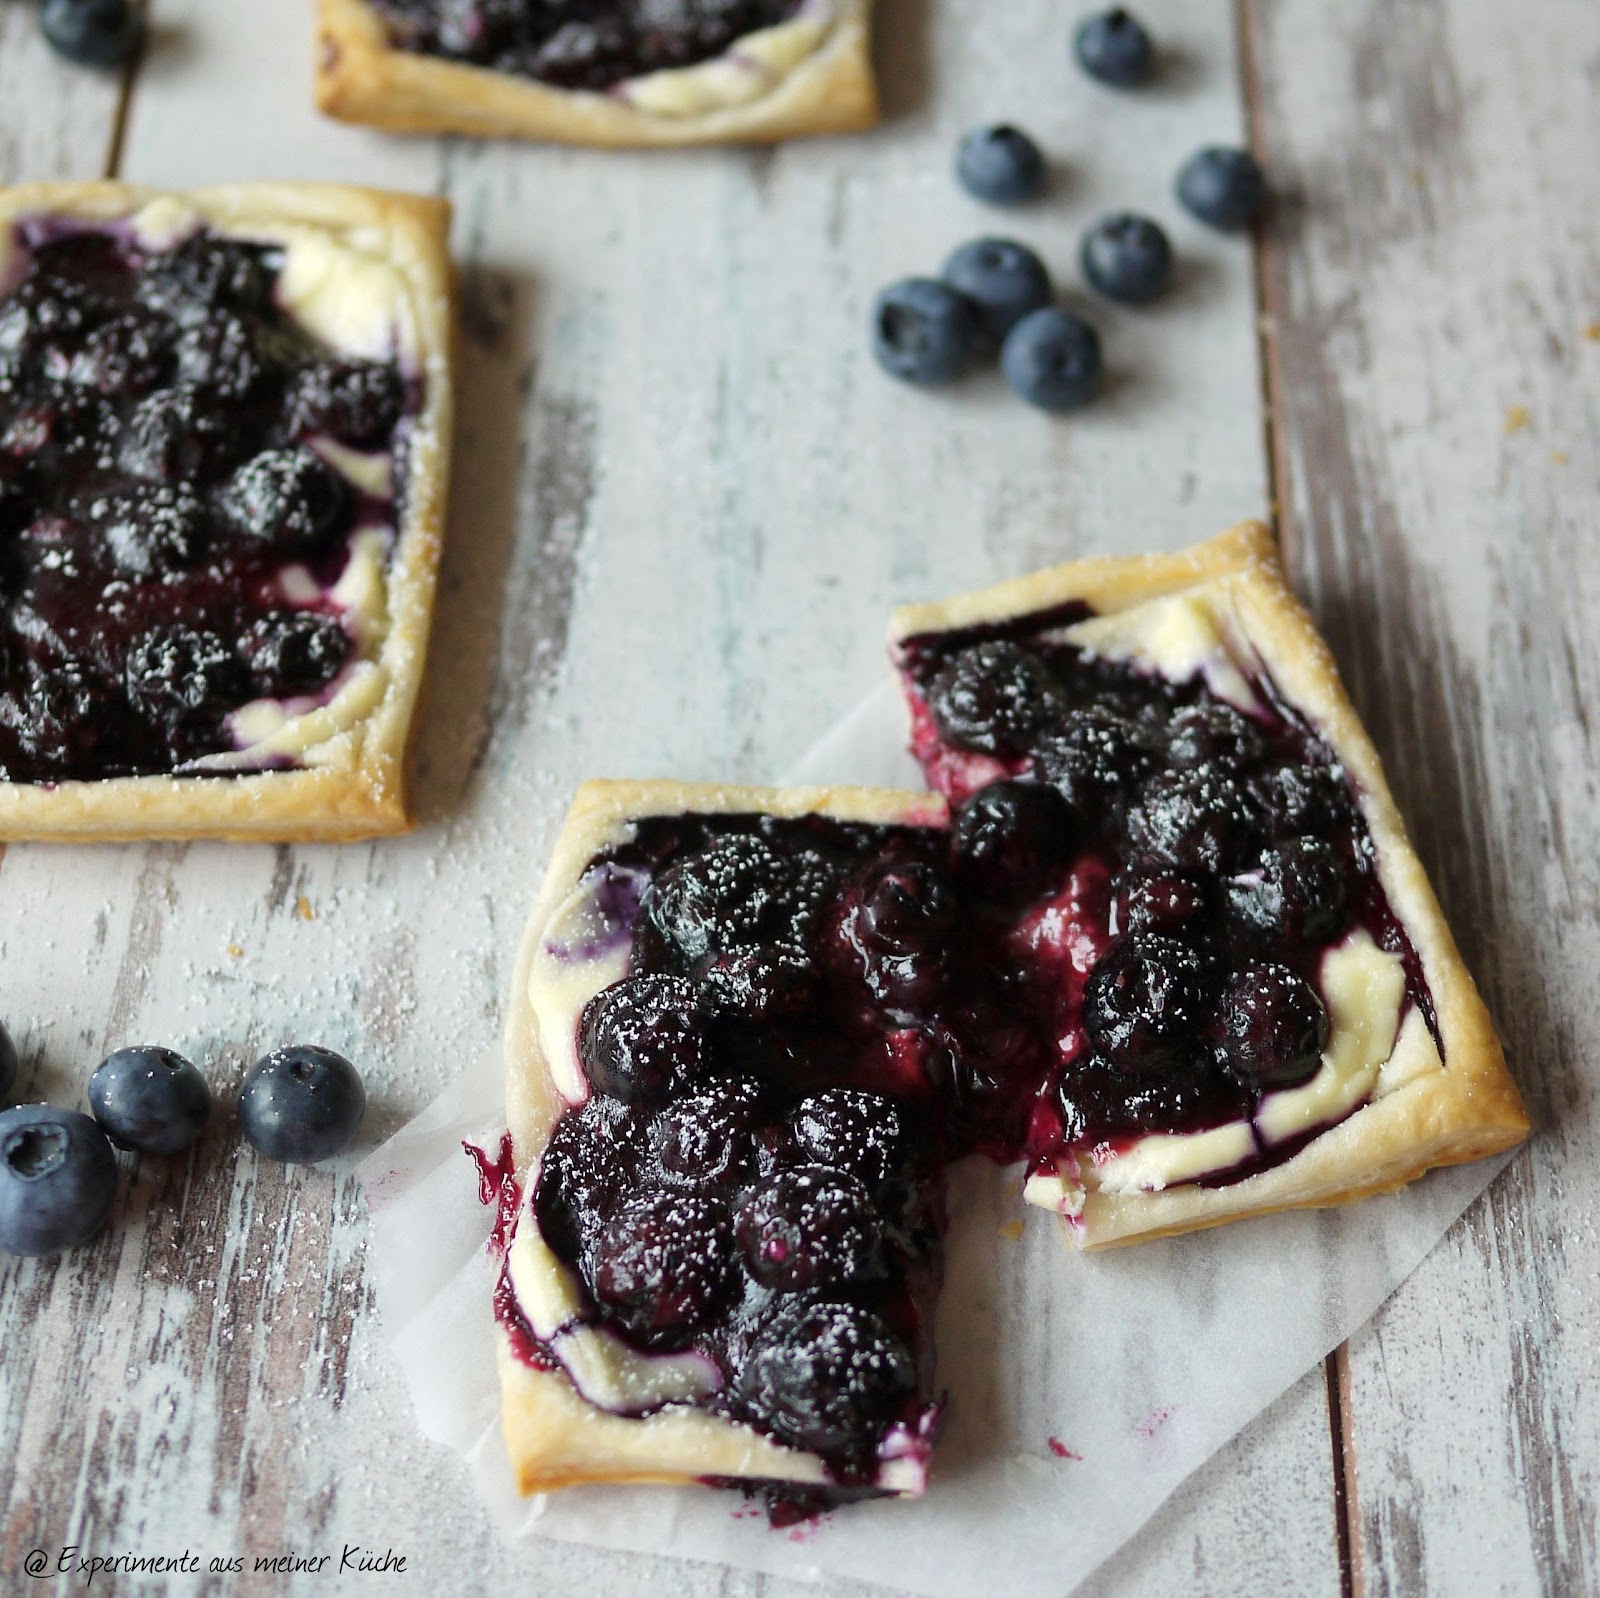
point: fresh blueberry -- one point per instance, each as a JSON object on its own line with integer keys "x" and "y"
{"x": 1010, "y": 837}
{"x": 1003, "y": 279}
{"x": 850, "y": 1129}
{"x": 1299, "y": 892}
{"x": 923, "y": 331}
{"x": 1127, "y": 257}
{"x": 57, "y": 1179}
{"x": 9, "y": 1065}
{"x": 991, "y": 697}
{"x": 1144, "y": 1003}
{"x": 149, "y": 1099}
{"x": 810, "y": 1227}
{"x": 1274, "y": 1026}
{"x": 642, "y": 1037}
{"x": 92, "y": 33}
{"x": 1052, "y": 359}
{"x": 826, "y": 1377}
{"x": 1113, "y": 47}
{"x": 661, "y": 1265}
{"x": 1000, "y": 164}
{"x": 301, "y": 1104}
{"x": 1223, "y": 187}
{"x": 288, "y": 498}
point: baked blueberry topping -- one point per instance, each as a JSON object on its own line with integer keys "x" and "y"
{"x": 1128, "y": 258}
{"x": 992, "y": 697}
{"x": 810, "y": 1227}
{"x": 1003, "y": 279}
{"x": 709, "y": 1139}
{"x": 825, "y": 1376}
{"x": 57, "y": 1179}
{"x": 1297, "y": 892}
{"x": 851, "y": 1130}
{"x": 1274, "y": 1026}
{"x": 642, "y": 1036}
{"x": 92, "y": 33}
{"x": 1198, "y": 820}
{"x": 1222, "y": 186}
{"x": 924, "y": 331}
{"x": 1052, "y": 359}
{"x": 580, "y": 44}
{"x": 660, "y": 1264}
{"x": 1113, "y": 47}
{"x": 1000, "y": 164}
{"x": 1145, "y": 1003}
{"x": 301, "y": 1104}
{"x": 1015, "y": 838}
{"x": 157, "y": 410}
{"x": 150, "y": 1099}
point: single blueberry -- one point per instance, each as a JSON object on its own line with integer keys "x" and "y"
{"x": 992, "y": 697}
{"x": 1003, "y": 279}
{"x": 292, "y": 652}
{"x": 1274, "y": 1025}
{"x": 180, "y": 675}
{"x": 150, "y": 1099}
{"x": 92, "y": 33}
{"x": 301, "y": 1104}
{"x": 1000, "y": 164}
{"x": 661, "y": 1265}
{"x": 642, "y": 1037}
{"x": 358, "y": 402}
{"x": 810, "y": 1227}
{"x": 1199, "y": 821}
{"x": 57, "y": 1179}
{"x": 1144, "y": 1003}
{"x": 923, "y": 331}
{"x": 1011, "y": 837}
{"x": 289, "y": 498}
{"x": 1052, "y": 359}
{"x": 1128, "y": 258}
{"x": 1212, "y": 731}
{"x": 1113, "y": 47}
{"x": 1223, "y": 187}
{"x": 905, "y": 905}
{"x": 708, "y": 1138}
{"x": 1300, "y": 892}
{"x": 850, "y": 1129}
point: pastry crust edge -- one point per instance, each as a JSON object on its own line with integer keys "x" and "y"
{"x": 1466, "y": 1111}
{"x": 360, "y": 77}
{"x": 359, "y": 787}
{"x": 554, "y": 1436}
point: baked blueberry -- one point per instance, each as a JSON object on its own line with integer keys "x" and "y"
{"x": 1193, "y": 821}
{"x": 660, "y": 1265}
{"x": 1223, "y": 187}
{"x": 1052, "y": 359}
{"x": 179, "y": 675}
{"x": 826, "y": 1377}
{"x": 173, "y": 435}
{"x": 290, "y": 499}
{"x": 1128, "y": 258}
{"x": 1003, "y": 279}
{"x": 292, "y": 652}
{"x": 1297, "y": 892}
{"x": 1212, "y": 732}
{"x": 1000, "y": 164}
{"x": 594, "y": 1154}
{"x": 301, "y": 1104}
{"x": 57, "y": 1179}
{"x": 92, "y": 33}
{"x": 923, "y": 331}
{"x": 1012, "y": 838}
{"x": 1303, "y": 797}
{"x": 1093, "y": 757}
{"x": 154, "y": 530}
{"x": 809, "y": 1227}
{"x": 1145, "y": 1003}
{"x": 992, "y": 697}
{"x": 1113, "y": 47}
{"x": 641, "y": 1037}
{"x": 770, "y": 984}
{"x": 356, "y": 402}
{"x": 707, "y": 1139}
{"x": 202, "y": 275}
{"x": 1274, "y": 1026}
{"x": 221, "y": 354}
{"x": 904, "y": 905}
{"x": 853, "y": 1130}
{"x": 150, "y": 1099}
{"x": 124, "y": 357}
{"x": 9, "y": 1064}
{"x": 1159, "y": 904}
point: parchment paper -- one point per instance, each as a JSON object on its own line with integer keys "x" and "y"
{"x": 1083, "y": 1388}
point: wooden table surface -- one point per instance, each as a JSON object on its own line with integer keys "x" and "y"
{"x": 684, "y": 499}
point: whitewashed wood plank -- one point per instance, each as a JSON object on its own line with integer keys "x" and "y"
{"x": 684, "y": 500}
{"x": 1435, "y": 297}
{"x": 56, "y": 120}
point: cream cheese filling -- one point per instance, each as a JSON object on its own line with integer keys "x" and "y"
{"x": 748, "y": 69}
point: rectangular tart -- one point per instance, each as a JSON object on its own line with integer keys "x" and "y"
{"x": 808, "y": 74}
{"x": 224, "y": 444}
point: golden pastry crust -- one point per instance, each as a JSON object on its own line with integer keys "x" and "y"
{"x": 354, "y": 782}
{"x": 556, "y": 1438}
{"x": 362, "y": 77}
{"x": 1465, "y": 1111}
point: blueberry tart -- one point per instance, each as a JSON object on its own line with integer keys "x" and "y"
{"x": 1262, "y": 1006}
{"x": 601, "y": 72}
{"x": 224, "y": 434}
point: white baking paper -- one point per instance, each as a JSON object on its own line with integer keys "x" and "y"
{"x": 1083, "y": 1388}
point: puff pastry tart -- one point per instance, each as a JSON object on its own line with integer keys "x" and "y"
{"x": 603, "y": 72}
{"x": 224, "y": 429}
{"x": 1159, "y": 935}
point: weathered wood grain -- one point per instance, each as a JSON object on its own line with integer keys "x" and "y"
{"x": 1433, "y": 294}
{"x": 56, "y": 121}
{"x": 684, "y": 500}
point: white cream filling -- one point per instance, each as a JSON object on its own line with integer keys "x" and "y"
{"x": 746, "y": 71}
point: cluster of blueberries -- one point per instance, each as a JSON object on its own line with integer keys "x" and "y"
{"x": 995, "y": 294}
{"x": 57, "y": 1171}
